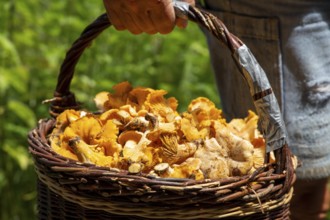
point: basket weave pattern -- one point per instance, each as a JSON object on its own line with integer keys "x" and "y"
{"x": 68, "y": 189}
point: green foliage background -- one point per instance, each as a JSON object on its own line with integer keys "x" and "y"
{"x": 34, "y": 36}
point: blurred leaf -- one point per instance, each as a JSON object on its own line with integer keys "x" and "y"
{"x": 16, "y": 130}
{"x": 19, "y": 154}
{"x": 30, "y": 196}
{"x": 17, "y": 78}
{"x": 23, "y": 112}
{"x": 3, "y": 180}
{"x": 8, "y": 52}
{"x": 4, "y": 81}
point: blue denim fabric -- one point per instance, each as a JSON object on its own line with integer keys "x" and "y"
{"x": 291, "y": 41}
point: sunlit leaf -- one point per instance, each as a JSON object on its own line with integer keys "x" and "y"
{"x": 30, "y": 196}
{"x": 3, "y": 180}
{"x": 19, "y": 154}
{"x": 4, "y": 81}
{"x": 18, "y": 78}
{"x": 17, "y": 130}
{"x": 23, "y": 112}
{"x": 8, "y": 52}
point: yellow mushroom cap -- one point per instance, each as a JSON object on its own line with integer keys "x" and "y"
{"x": 119, "y": 97}
{"x": 100, "y": 100}
{"x": 129, "y": 135}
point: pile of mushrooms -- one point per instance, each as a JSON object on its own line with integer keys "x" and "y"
{"x": 139, "y": 130}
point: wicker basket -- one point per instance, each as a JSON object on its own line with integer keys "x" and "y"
{"x": 68, "y": 189}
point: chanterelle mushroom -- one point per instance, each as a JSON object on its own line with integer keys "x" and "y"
{"x": 129, "y": 141}
{"x": 240, "y": 151}
{"x": 203, "y": 109}
{"x": 213, "y": 159}
{"x": 138, "y": 123}
{"x": 173, "y": 152}
{"x": 136, "y": 149}
{"x": 191, "y": 168}
{"x": 87, "y": 155}
{"x": 246, "y": 128}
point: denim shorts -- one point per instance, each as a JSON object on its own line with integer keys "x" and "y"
{"x": 291, "y": 41}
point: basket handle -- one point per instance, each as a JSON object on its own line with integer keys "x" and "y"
{"x": 64, "y": 99}
{"x": 250, "y": 69}
{"x": 266, "y": 104}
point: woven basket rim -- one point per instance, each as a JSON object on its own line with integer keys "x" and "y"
{"x": 63, "y": 176}
{"x": 147, "y": 211}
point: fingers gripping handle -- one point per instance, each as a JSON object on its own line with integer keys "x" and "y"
{"x": 181, "y": 9}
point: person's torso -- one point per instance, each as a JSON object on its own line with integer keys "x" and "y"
{"x": 291, "y": 41}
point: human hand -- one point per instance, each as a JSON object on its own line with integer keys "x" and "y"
{"x": 144, "y": 16}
